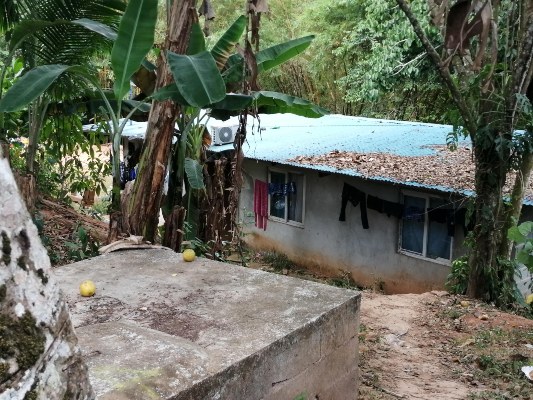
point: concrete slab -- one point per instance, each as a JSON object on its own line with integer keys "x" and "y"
{"x": 161, "y": 328}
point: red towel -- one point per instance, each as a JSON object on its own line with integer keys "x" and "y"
{"x": 261, "y": 204}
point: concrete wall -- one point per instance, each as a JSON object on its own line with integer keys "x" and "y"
{"x": 329, "y": 246}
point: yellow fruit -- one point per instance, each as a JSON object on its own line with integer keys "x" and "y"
{"x": 529, "y": 299}
{"x": 87, "y": 288}
{"x": 189, "y": 255}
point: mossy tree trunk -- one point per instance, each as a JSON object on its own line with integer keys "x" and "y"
{"x": 39, "y": 356}
{"x": 490, "y": 219}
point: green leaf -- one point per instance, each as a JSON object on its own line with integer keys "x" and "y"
{"x": 141, "y": 106}
{"x": 97, "y": 27}
{"x": 525, "y": 228}
{"x": 135, "y": 38}
{"x": 31, "y": 86}
{"x": 222, "y": 49}
{"x": 196, "y": 41}
{"x": 170, "y": 92}
{"x": 197, "y": 78}
{"x": 231, "y": 105}
{"x": 515, "y": 235}
{"x": 276, "y": 55}
{"x": 27, "y": 28}
{"x": 195, "y": 177}
{"x": 274, "y": 102}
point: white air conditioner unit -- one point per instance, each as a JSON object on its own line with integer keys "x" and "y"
{"x": 223, "y": 134}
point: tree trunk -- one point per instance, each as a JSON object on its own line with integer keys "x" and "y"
{"x": 174, "y": 229}
{"x": 489, "y": 214}
{"x": 39, "y": 353}
{"x": 145, "y": 201}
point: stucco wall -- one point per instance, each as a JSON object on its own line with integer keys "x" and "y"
{"x": 329, "y": 246}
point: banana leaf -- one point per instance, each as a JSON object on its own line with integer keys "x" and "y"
{"x": 197, "y": 78}
{"x": 278, "y": 54}
{"x": 230, "y": 106}
{"x": 30, "y": 86}
{"x": 170, "y": 92}
{"x": 135, "y": 38}
{"x": 195, "y": 177}
{"x": 196, "y": 41}
{"x": 222, "y": 49}
{"x": 273, "y": 102}
{"x": 266, "y": 59}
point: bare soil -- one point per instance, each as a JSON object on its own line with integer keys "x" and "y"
{"x": 438, "y": 346}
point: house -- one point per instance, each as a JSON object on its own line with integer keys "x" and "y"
{"x": 411, "y": 196}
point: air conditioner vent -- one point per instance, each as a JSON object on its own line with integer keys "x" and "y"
{"x": 224, "y": 134}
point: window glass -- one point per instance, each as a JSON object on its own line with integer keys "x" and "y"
{"x": 413, "y": 224}
{"x": 438, "y": 245}
{"x": 277, "y": 199}
{"x": 295, "y": 197}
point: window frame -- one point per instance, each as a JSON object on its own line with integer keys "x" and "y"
{"x": 286, "y": 219}
{"x": 427, "y": 198}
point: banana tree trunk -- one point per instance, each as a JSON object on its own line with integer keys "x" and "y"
{"x": 144, "y": 204}
{"x": 40, "y": 358}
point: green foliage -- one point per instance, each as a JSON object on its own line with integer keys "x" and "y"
{"x": 522, "y": 236}
{"x": 194, "y": 172}
{"x": 197, "y": 77}
{"x": 457, "y": 281}
{"x": 200, "y": 247}
{"x": 278, "y": 261}
{"x": 276, "y": 55}
{"x": 31, "y": 86}
{"x": 135, "y": 38}
{"x": 223, "y": 48}
{"x": 301, "y": 396}
{"x": 82, "y": 245}
{"x": 68, "y": 162}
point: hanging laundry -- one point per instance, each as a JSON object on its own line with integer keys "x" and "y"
{"x": 391, "y": 208}
{"x": 374, "y": 203}
{"x": 384, "y": 206}
{"x": 356, "y": 197}
{"x": 261, "y": 204}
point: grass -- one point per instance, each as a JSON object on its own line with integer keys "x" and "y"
{"x": 499, "y": 358}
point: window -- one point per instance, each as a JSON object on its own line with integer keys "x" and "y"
{"x": 286, "y": 196}
{"x": 424, "y": 233}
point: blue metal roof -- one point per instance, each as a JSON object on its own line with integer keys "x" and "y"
{"x": 284, "y": 136}
{"x": 281, "y": 137}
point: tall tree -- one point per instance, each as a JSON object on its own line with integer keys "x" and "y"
{"x": 143, "y": 207}
{"x": 485, "y": 93}
{"x": 40, "y": 358}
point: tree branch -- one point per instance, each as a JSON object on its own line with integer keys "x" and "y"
{"x": 464, "y": 110}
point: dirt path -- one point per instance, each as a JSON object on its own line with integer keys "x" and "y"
{"x": 427, "y": 347}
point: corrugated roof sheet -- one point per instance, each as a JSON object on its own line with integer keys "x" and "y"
{"x": 284, "y": 136}
{"x": 281, "y": 137}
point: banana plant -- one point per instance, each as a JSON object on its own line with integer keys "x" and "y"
{"x": 134, "y": 39}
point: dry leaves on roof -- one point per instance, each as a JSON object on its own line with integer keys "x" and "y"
{"x": 451, "y": 169}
